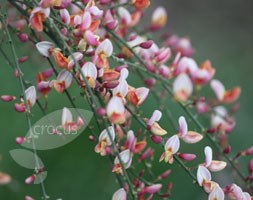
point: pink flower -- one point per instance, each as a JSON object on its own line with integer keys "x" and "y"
{"x": 105, "y": 141}
{"x": 120, "y": 194}
{"x": 223, "y": 95}
{"x": 203, "y": 175}
{"x": 186, "y": 65}
{"x": 4, "y": 178}
{"x": 64, "y": 80}
{"x": 216, "y": 194}
{"x": 137, "y": 96}
{"x": 152, "y": 189}
{"x": 31, "y": 96}
{"x": 152, "y": 124}
{"x": 159, "y": 17}
{"x": 182, "y": 87}
{"x": 116, "y": 111}
{"x": 89, "y": 71}
{"x": 171, "y": 147}
{"x": 213, "y": 165}
{"x": 190, "y": 137}
{"x": 77, "y": 57}
{"x": 37, "y": 17}
{"x": 126, "y": 159}
{"x": 45, "y": 48}
{"x": 65, "y": 16}
{"x": 220, "y": 120}
{"x": 67, "y": 122}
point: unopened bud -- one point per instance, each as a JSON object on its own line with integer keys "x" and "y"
{"x": 7, "y": 98}
{"x": 147, "y": 44}
{"x": 187, "y": 156}
{"x": 20, "y": 140}
{"x": 156, "y": 139}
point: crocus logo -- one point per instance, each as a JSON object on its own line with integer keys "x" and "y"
{"x": 52, "y": 131}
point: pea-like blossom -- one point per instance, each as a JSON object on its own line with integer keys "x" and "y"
{"x": 171, "y": 147}
{"x": 116, "y": 111}
{"x": 31, "y": 96}
{"x": 45, "y": 48}
{"x": 126, "y": 158}
{"x": 159, "y": 17}
{"x": 216, "y": 194}
{"x": 182, "y": 87}
{"x": 152, "y": 124}
{"x": 120, "y": 194}
{"x": 137, "y": 96}
{"x": 64, "y": 80}
{"x": 213, "y": 165}
{"x": 89, "y": 71}
{"x": 105, "y": 140}
{"x": 220, "y": 119}
{"x": 190, "y": 137}
{"x": 67, "y": 122}
{"x": 37, "y": 17}
{"x": 223, "y": 95}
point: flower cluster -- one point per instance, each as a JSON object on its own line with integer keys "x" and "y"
{"x": 97, "y": 47}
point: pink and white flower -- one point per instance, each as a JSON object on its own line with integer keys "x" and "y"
{"x": 171, "y": 147}
{"x": 190, "y": 137}
{"x": 64, "y": 80}
{"x": 223, "y": 95}
{"x": 120, "y": 194}
{"x": 126, "y": 158}
{"x": 116, "y": 111}
{"x": 89, "y": 71}
{"x": 105, "y": 140}
{"x": 152, "y": 124}
{"x": 67, "y": 122}
{"x": 182, "y": 87}
{"x": 213, "y": 165}
{"x": 31, "y": 97}
{"x": 216, "y": 194}
{"x": 45, "y": 48}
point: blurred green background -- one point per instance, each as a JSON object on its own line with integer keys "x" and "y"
{"x": 221, "y": 31}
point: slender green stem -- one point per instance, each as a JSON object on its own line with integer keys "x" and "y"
{"x": 28, "y": 111}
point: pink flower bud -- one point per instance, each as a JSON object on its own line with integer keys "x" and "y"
{"x": 30, "y": 180}
{"x": 23, "y": 59}
{"x": 169, "y": 186}
{"x": 111, "y": 84}
{"x": 20, "y": 140}
{"x": 7, "y": 98}
{"x": 249, "y": 151}
{"x": 151, "y": 189}
{"x": 91, "y": 38}
{"x": 119, "y": 68}
{"x": 23, "y": 37}
{"x": 92, "y": 138}
{"x": 112, "y": 25}
{"x": 19, "y": 107}
{"x": 187, "y": 156}
{"x": 211, "y": 130}
{"x": 150, "y": 82}
{"x": 148, "y": 153}
{"x": 147, "y": 44}
{"x": 16, "y": 73}
{"x": 28, "y": 198}
{"x": 165, "y": 174}
{"x": 250, "y": 166}
{"x": 101, "y": 112}
{"x": 156, "y": 139}
{"x": 227, "y": 150}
